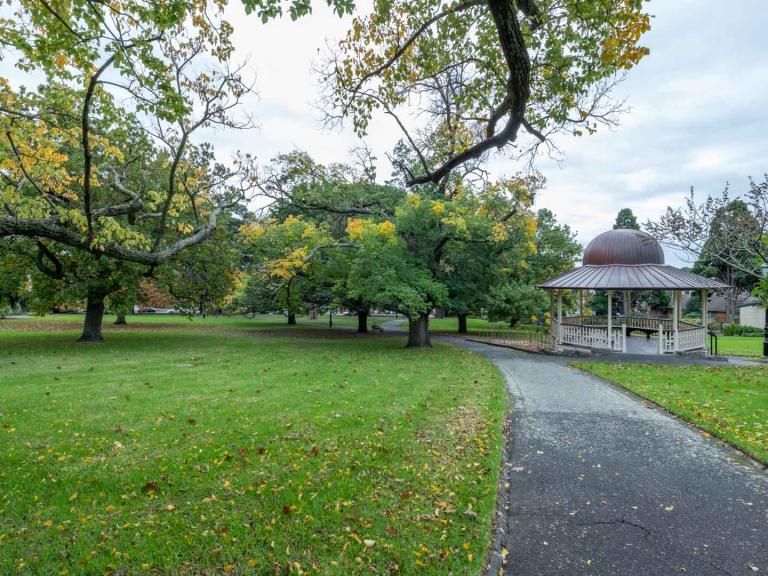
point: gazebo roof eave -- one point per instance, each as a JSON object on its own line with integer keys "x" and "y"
{"x": 630, "y": 277}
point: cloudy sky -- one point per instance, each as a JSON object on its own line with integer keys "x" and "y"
{"x": 698, "y": 112}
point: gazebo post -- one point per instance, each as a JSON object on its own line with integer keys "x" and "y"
{"x": 610, "y": 319}
{"x": 704, "y": 314}
{"x": 552, "y": 329}
{"x": 581, "y": 303}
{"x": 559, "y": 315}
{"x": 627, "y": 303}
{"x": 675, "y": 312}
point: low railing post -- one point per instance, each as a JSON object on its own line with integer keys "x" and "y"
{"x": 661, "y": 339}
{"x": 624, "y": 338}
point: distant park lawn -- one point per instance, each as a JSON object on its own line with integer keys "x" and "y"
{"x": 451, "y": 324}
{"x": 740, "y": 345}
{"x": 731, "y": 402}
{"x": 215, "y": 451}
{"x": 233, "y": 321}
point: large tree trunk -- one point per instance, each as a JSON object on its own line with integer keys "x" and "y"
{"x": 418, "y": 332}
{"x": 462, "y": 323}
{"x": 291, "y": 319}
{"x": 362, "y": 321}
{"x": 94, "y": 314}
{"x": 120, "y": 318}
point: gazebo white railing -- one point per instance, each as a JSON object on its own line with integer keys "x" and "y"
{"x": 589, "y": 335}
{"x": 592, "y": 332}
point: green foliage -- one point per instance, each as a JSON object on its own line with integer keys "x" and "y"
{"x": 733, "y": 216}
{"x": 553, "y": 252}
{"x": 100, "y": 158}
{"x": 518, "y": 303}
{"x": 739, "y": 330}
{"x": 433, "y": 247}
{"x": 268, "y": 9}
{"x": 289, "y": 264}
{"x": 626, "y": 219}
{"x": 658, "y": 300}
{"x": 13, "y": 285}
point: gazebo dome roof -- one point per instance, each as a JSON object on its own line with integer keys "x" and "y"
{"x": 623, "y": 246}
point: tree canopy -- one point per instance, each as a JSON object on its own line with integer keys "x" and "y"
{"x": 728, "y": 235}
{"x": 480, "y": 72}
{"x": 626, "y": 219}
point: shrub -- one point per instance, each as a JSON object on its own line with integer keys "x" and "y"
{"x": 739, "y": 330}
{"x": 714, "y": 326}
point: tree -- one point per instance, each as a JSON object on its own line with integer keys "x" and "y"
{"x": 739, "y": 281}
{"x": 100, "y": 158}
{"x": 82, "y": 277}
{"x": 392, "y": 274}
{"x": 553, "y": 252}
{"x": 13, "y": 278}
{"x": 288, "y": 262}
{"x": 626, "y": 219}
{"x": 730, "y": 232}
{"x": 204, "y": 279}
{"x": 330, "y": 196}
{"x": 406, "y": 251}
{"x": 729, "y": 237}
{"x": 483, "y": 71}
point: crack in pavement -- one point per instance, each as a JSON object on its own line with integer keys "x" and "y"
{"x": 613, "y": 523}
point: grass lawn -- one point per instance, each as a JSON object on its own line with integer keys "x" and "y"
{"x": 740, "y": 345}
{"x": 451, "y": 324}
{"x": 731, "y": 402}
{"x": 195, "y": 451}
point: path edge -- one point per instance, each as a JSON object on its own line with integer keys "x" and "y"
{"x": 495, "y": 558}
